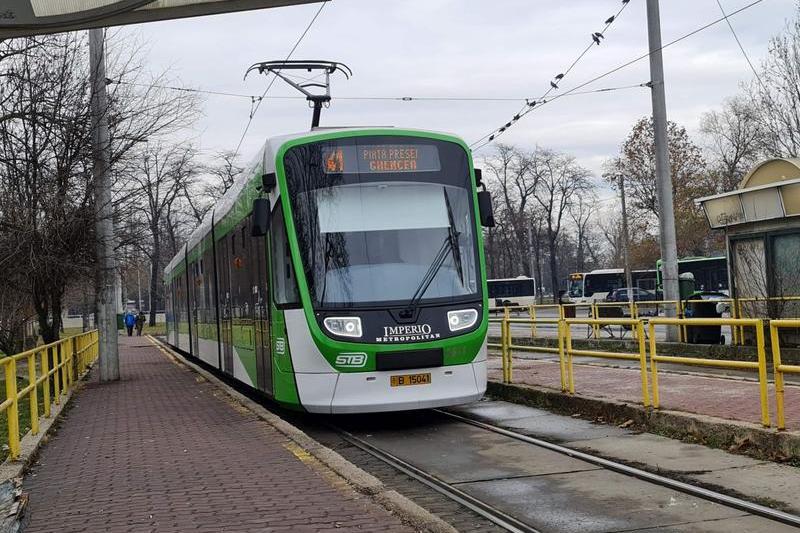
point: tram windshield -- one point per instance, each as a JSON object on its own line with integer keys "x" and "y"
{"x": 383, "y": 221}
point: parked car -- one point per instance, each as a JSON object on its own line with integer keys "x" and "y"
{"x": 639, "y": 295}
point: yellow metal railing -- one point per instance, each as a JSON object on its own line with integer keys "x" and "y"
{"x": 778, "y": 366}
{"x": 569, "y": 352}
{"x": 509, "y": 346}
{"x": 739, "y": 304}
{"x": 70, "y": 357}
{"x": 760, "y": 365}
{"x": 532, "y": 313}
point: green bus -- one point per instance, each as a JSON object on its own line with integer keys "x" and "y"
{"x": 710, "y": 273}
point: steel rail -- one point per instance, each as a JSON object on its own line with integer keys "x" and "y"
{"x": 487, "y": 511}
{"x": 692, "y": 490}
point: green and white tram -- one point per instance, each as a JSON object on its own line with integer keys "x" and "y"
{"x": 343, "y": 272}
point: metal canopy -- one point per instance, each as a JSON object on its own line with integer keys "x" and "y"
{"x": 20, "y": 18}
{"x": 770, "y": 201}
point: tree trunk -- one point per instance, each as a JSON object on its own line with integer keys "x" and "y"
{"x": 48, "y": 314}
{"x": 579, "y": 259}
{"x": 492, "y": 257}
{"x": 537, "y": 256}
{"x": 155, "y": 285}
{"x": 85, "y": 312}
{"x": 551, "y": 244}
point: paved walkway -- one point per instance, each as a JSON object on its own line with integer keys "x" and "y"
{"x": 732, "y": 399}
{"x": 162, "y": 450}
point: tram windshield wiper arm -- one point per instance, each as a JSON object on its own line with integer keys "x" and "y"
{"x": 450, "y": 245}
{"x": 452, "y": 236}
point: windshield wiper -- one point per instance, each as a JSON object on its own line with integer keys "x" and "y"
{"x": 452, "y": 236}
{"x": 449, "y": 246}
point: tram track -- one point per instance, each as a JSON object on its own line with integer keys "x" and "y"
{"x": 506, "y": 521}
{"x": 484, "y": 509}
{"x": 687, "y": 488}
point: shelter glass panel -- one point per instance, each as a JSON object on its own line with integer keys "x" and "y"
{"x": 791, "y": 199}
{"x": 750, "y": 275}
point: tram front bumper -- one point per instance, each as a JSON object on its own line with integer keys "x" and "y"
{"x": 370, "y": 392}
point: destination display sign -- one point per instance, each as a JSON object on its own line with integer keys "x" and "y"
{"x": 383, "y": 158}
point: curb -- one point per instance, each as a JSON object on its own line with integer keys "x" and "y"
{"x": 359, "y": 479}
{"x": 736, "y": 437}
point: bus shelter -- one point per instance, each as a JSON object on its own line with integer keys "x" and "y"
{"x": 761, "y": 220}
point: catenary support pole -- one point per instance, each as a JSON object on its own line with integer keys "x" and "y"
{"x": 666, "y": 214}
{"x": 626, "y": 240}
{"x": 106, "y": 276}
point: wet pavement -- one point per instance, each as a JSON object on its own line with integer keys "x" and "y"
{"x": 546, "y": 489}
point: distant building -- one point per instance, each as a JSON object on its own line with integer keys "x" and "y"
{"x": 761, "y": 220}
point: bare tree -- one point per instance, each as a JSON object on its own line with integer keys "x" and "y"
{"x": 559, "y": 181}
{"x": 221, "y": 174}
{"x": 512, "y": 185}
{"x": 163, "y": 174}
{"x": 46, "y": 186}
{"x": 582, "y": 213}
{"x": 775, "y": 94}
{"x": 735, "y": 137}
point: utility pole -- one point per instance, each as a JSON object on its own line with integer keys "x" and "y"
{"x": 104, "y": 224}
{"x": 666, "y": 213}
{"x": 626, "y": 242}
{"x": 532, "y": 262}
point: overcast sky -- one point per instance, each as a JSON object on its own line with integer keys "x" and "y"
{"x": 465, "y": 48}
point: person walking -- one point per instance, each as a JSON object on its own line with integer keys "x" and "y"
{"x": 130, "y": 321}
{"x": 140, "y": 318}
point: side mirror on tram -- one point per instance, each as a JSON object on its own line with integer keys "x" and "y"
{"x": 485, "y": 209}
{"x": 478, "y": 177}
{"x": 260, "y": 217}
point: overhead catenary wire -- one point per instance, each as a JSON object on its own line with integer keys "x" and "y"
{"x": 629, "y": 63}
{"x": 366, "y": 98}
{"x": 257, "y": 103}
{"x": 741, "y": 47}
{"x": 596, "y": 38}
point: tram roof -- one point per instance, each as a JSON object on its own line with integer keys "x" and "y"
{"x": 277, "y": 142}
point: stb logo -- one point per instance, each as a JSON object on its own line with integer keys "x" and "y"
{"x": 351, "y": 359}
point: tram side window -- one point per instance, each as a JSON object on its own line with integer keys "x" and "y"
{"x": 283, "y": 279}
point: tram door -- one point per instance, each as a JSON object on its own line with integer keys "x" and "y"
{"x": 261, "y": 318}
{"x": 224, "y": 259}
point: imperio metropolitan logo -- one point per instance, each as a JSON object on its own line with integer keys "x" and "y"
{"x": 411, "y": 333}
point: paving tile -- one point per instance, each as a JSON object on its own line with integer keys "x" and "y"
{"x": 161, "y": 451}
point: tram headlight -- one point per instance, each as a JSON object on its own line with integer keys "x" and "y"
{"x": 462, "y": 319}
{"x": 344, "y": 326}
